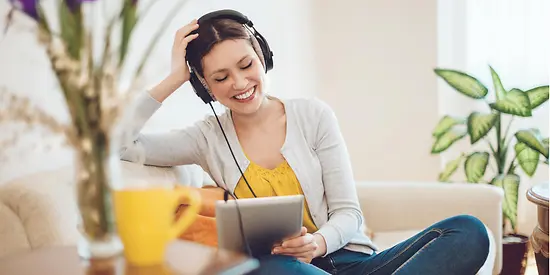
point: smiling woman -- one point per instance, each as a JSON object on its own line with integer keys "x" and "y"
{"x": 285, "y": 147}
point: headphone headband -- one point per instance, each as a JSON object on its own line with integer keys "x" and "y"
{"x": 227, "y": 14}
{"x": 197, "y": 85}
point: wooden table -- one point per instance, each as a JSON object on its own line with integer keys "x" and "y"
{"x": 181, "y": 258}
{"x": 538, "y": 194}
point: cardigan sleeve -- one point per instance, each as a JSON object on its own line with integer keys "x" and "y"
{"x": 345, "y": 216}
{"x": 178, "y": 147}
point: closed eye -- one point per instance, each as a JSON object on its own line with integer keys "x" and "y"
{"x": 221, "y": 79}
{"x": 247, "y": 66}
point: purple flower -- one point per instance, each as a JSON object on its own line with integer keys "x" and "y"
{"x": 75, "y": 4}
{"x": 29, "y": 7}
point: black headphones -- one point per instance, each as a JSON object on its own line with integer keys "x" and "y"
{"x": 197, "y": 85}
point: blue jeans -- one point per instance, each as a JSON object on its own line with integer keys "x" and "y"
{"x": 457, "y": 245}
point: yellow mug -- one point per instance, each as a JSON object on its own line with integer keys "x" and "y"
{"x": 145, "y": 221}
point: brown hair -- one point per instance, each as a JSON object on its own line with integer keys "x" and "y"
{"x": 213, "y": 32}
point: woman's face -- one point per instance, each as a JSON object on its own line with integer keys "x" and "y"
{"x": 235, "y": 75}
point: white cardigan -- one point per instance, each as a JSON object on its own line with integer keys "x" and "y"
{"x": 314, "y": 148}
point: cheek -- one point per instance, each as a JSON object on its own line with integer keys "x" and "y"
{"x": 259, "y": 74}
{"x": 219, "y": 89}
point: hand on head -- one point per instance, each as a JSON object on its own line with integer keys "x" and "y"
{"x": 179, "y": 72}
{"x": 179, "y": 67}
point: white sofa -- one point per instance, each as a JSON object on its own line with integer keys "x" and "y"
{"x": 39, "y": 210}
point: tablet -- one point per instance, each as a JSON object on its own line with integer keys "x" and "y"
{"x": 266, "y": 220}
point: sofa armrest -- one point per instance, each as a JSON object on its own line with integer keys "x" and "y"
{"x": 45, "y": 207}
{"x": 13, "y": 237}
{"x": 394, "y": 206}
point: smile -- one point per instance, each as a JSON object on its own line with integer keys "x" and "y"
{"x": 246, "y": 95}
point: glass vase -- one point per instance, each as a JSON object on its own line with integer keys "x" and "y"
{"x": 98, "y": 237}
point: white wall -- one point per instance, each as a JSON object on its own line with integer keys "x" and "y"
{"x": 375, "y": 60}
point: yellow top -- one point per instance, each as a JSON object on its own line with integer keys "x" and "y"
{"x": 280, "y": 181}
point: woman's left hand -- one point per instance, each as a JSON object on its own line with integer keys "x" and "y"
{"x": 304, "y": 247}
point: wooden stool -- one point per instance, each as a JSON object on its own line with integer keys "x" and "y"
{"x": 538, "y": 194}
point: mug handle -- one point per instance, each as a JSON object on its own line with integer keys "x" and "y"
{"x": 191, "y": 212}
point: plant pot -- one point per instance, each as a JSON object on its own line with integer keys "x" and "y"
{"x": 514, "y": 258}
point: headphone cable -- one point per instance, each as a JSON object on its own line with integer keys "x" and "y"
{"x": 226, "y": 190}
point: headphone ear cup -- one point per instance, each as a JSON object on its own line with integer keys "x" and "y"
{"x": 199, "y": 88}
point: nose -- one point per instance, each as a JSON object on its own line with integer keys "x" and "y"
{"x": 240, "y": 82}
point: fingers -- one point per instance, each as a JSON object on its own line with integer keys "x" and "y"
{"x": 303, "y": 231}
{"x": 298, "y": 242}
{"x": 184, "y": 31}
{"x": 307, "y": 248}
{"x": 188, "y": 39}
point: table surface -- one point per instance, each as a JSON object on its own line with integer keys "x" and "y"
{"x": 539, "y": 194}
{"x": 181, "y": 258}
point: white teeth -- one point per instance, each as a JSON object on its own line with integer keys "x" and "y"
{"x": 245, "y": 95}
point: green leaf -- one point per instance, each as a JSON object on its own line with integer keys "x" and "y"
{"x": 499, "y": 89}
{"x": 43, "y": 21}
{"x": 475, "y": 166}
{"x": 515, "y": 102}
{"x": 528, "y": 158}
{"x": 72, "y": 30}
{"x": 446, "y": 123}
{"x": 480, "y": 124}
{"x": 463, "y": 83}
{"x": 537, "y": 96}
{"x": 445, "y": 141}
{"x": 510, "y": 184}
{"x": 533, "y": 139}
{"x": 450, "y": 168}
{"x": 129, "y": 20}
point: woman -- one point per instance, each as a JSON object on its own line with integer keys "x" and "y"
{"x": 287, "y": 147}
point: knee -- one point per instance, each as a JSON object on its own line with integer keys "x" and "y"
{"x": 276, "y": 264}
{"x": 475, "y": 234}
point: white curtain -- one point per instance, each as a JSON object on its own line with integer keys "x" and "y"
{"x": 513, "y": 36}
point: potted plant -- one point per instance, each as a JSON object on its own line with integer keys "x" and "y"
{"x": 499, "y": 163}
{"x": 87, "y": 47}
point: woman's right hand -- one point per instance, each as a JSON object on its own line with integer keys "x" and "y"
{"x": 179, "y": 68}
{"x": 179, "y": 73}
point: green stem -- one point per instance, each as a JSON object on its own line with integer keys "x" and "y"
{"x": 93, "y": 190}
{"x": 490, "y": 146}
{"x": 508, "y": 128}
{"x": 505, "y": 139}
{"x": 512, "y": 166}
{"x": 164, "y": 26}
{"x": 498, "y": 157}
{"x": 493, "y": 151}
